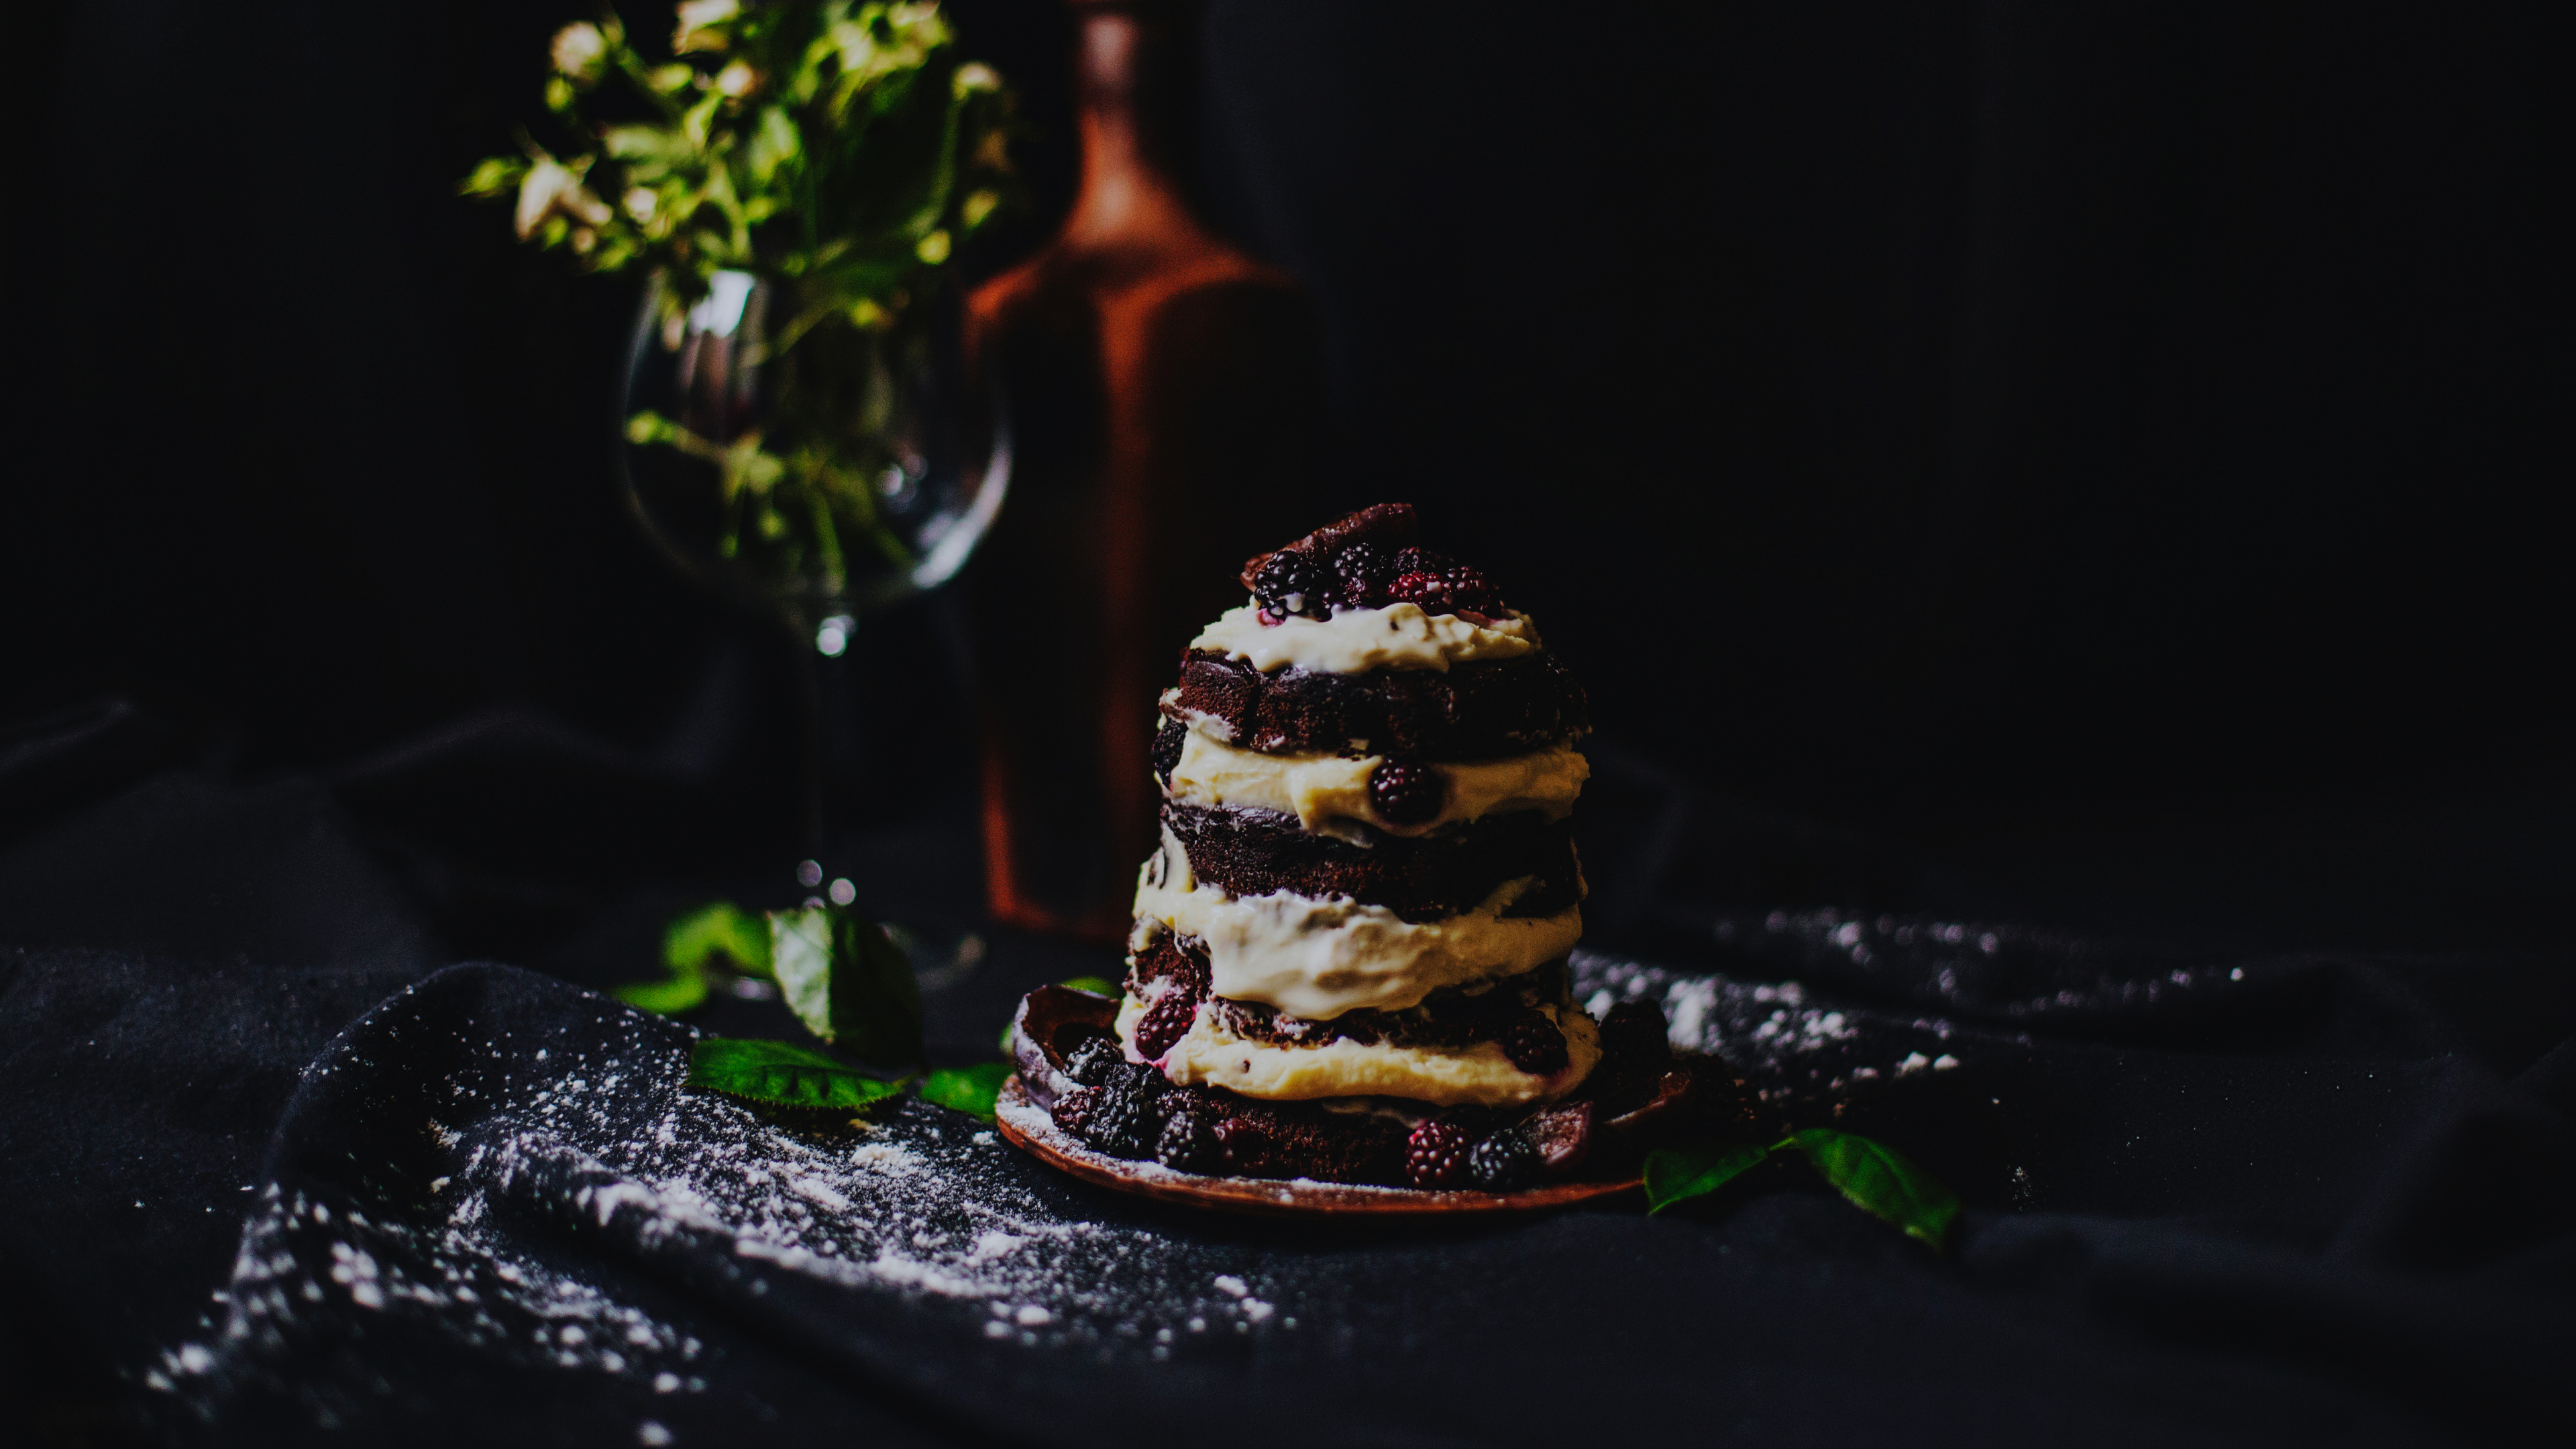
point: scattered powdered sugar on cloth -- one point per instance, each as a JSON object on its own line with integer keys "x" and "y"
{"x": 924, "y": 1214}
{"x": 1826, "y": 1002}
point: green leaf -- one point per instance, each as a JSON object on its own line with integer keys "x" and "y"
{"x": 783, "y": 1075}
{"x": 968, "y": 1089}
{"x": 1678, "y": 1174}
{"x": 1880, "y": 1181}
{"x": 718, "y": 929}
{"x": 849, "y": 984}
{"x": 686, "y": 990}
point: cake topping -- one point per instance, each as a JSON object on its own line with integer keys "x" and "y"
{"x": 1366, "y": 561}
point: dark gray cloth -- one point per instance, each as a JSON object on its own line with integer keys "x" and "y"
{"x": 2212, "y": 1197}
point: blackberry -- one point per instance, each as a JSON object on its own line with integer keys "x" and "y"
{"x": 1096, "y": 1062}
{"x": 1435, "y": 1153}
{"x": 1503, "y": 1162}
{"x": 1189, "y": 1141}
{"x": 1452, "y": 590}
{"x": 1407, "y": 792}
{"x": 1167, "y": 748}
{"x": 1535, "y": 1045}
{"x": 1420, "y": 561}
{"x": 1361, "y": 572}
{"x": 1289, "y": 583}
{"x": 1166, "y": 1021}
{"x": 1633, "y": 1036}
{"x": 1113, "y": 1119}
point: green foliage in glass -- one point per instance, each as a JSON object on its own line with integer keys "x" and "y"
{"x": 844, "y": 146}
{"x": 841, "y": 152}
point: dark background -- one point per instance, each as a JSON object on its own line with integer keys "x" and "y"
{"x": 2102, "y": 453}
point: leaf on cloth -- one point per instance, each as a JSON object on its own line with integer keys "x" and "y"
{"x": 783, "y": 1075}
{"x": 967, "y": 1089}
{"x": 1880, "y": 1181}
{"x": 1677, "y": 1174}
{"x": 848, "y": 983}
{"x": 694, "y": 938}
{"x": 683, "y": 991}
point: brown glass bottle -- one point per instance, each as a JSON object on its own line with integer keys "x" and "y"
{"x": 1165, "y": 392}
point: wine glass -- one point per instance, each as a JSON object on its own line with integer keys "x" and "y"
{"x": 812, "y": 470}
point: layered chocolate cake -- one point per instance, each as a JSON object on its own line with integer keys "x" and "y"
{"x": 1349, "y": 952}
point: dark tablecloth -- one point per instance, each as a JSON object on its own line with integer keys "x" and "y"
{"x": 271, "y": 1170}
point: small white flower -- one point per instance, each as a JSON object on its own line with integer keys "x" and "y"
{"x": 695, "y": 17}
{"x": 976, "y": 76}
{"x": 552, "y": 187}
{"x": 578, "y": 48}
{"x": 737, "y": 79}
{"x": 640, "y": 203}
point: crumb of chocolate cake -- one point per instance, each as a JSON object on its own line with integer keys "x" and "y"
{"x": 1407, "y": 792}
{"x": 1563, "y": 1133}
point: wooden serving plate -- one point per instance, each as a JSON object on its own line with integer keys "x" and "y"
{"x": 1027, "y": 1126}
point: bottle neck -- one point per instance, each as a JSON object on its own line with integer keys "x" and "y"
{"x": 1124, "y": 88}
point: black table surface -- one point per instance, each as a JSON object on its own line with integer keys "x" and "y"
{"x": 274, "y": 1168}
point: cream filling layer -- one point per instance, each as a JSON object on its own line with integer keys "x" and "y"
{"x": 1319, "y": 957}
{"x": 1355, "y": 641}
{"x": 1327, "y": 793}
{"x": 1479, "y": 1075}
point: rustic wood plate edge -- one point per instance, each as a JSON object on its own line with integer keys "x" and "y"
{"x": 1036, "y": 1134}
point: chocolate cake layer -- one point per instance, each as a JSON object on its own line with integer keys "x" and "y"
{"x": 1478, "y": 711}
{"x": 1453, "y": 1017}
{"x": 1257, "y": 852}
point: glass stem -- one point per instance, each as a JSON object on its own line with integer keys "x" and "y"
{"x": 831, "y": 734}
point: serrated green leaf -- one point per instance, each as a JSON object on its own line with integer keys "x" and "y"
{"x": 718, "y": 929}
{"x": 686, "y": 990}
{"x": 1678, "y": 1174}
{"x": 783, "y": 1075}
{"x": 968, "y": 1089}
{"x": 849, "y": 984}
{"x": 1880, "y": 1181}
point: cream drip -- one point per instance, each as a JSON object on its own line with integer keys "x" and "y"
{"x": 1355, "y": 641}
{"x": 1478, "y": 1074}
{"x": 1319, "y": 957}
{"x": 1328, "y": 792}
